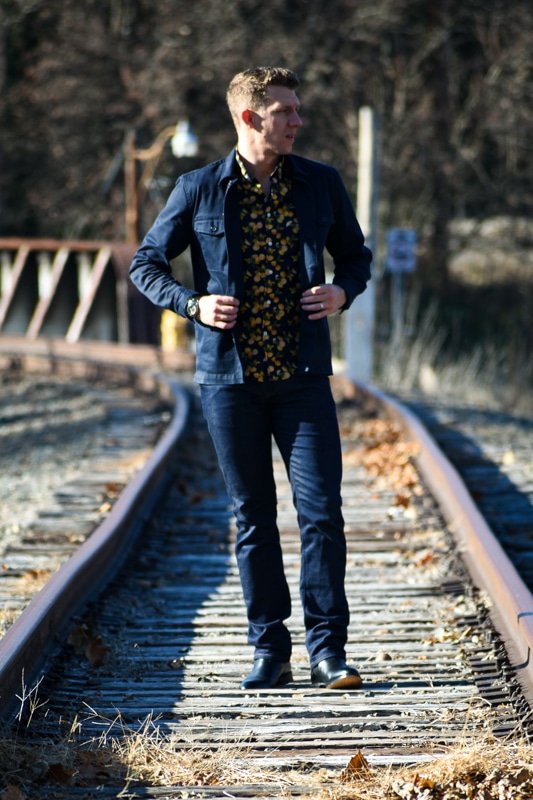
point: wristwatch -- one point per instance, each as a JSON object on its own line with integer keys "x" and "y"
{"x": 192, "y": 306}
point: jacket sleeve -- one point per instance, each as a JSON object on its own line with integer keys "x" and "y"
{"x": 345, "y": 243}
{"x": 170, "y": 235}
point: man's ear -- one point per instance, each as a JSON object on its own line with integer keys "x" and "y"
{"x": 247, "y": 117}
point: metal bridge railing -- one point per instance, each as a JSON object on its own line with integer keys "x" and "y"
{"x": 70, "y": 289}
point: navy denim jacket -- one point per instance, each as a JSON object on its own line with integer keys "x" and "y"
{"x": 203, "y": 212}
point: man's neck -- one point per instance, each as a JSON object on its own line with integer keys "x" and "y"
{"x": 259, "y": 166}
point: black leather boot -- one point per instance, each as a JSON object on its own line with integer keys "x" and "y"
{"x": 333, "y": 673}
{"x": 267, "y": 673}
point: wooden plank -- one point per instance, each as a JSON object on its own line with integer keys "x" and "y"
{"x": 81, "y": 314}
{"x": 17, "y": 270}
{"x": 43, "y": 306}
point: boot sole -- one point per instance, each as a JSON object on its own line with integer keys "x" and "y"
{"x": 347, "y": 682}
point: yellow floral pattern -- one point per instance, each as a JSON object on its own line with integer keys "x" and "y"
{"x": 270, "y": 310}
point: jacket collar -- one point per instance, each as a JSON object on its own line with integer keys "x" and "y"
{"x": 230, "y": 168}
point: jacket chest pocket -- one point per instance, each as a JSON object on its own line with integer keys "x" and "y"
{"x": 210, "y": 238}
{"x": 209, "y": 234}
{"x": 209, "y": 227}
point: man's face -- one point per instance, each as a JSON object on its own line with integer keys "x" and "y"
{"x": 278, "y": 122}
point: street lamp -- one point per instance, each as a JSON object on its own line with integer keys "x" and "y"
{"x": 183, "y": 144}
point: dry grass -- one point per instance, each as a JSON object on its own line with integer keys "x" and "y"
{"x": 414, "y": 358}
{"x": 7, "y": 618}
{"x": 128, "y": 757}
{"x": 491, "y": 770}
{"x": 150, "y": 756}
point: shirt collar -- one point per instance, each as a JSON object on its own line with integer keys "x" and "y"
{"x": 276, "y": 173}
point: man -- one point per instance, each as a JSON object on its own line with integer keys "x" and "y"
{"x": 257, "y": 223}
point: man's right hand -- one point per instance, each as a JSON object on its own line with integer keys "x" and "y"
{"x": 218, "y": 311}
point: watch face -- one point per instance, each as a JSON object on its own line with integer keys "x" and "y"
{"x": 191, "y": 307}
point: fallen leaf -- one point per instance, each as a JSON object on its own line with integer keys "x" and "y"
{"x": 96, "y": 651}
{"x": 383, "y": 656}
{"x": 357, "y": 766}
{"x": 58, "y": 773}
{"x": 420, "y": 781}
{"x": 427, "y": 558}
{"x": 34, "y": 579}
{"x": 89, "y": 644}
{"x": 78, "y": 636}
{"x": 402, "y": 500}
{"x": 92, "y": 764}
{"x": 523, "y": 775}
{"x": 12, "y": 792}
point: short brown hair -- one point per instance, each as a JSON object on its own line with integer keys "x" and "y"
{"x": 251, "y": 86}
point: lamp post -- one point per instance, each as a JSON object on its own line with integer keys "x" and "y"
{"x": 183, "y": 143}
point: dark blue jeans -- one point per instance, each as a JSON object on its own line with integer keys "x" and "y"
{"x": 300, "y": 414}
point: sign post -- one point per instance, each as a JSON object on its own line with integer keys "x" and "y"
{"x": 401, "y": 259}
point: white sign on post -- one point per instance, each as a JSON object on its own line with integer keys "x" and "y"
{"x": 401, "y": 250}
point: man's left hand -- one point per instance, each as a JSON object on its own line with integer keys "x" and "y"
{"x": 320, "y": 301}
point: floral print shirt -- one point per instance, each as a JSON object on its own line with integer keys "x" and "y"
{"x": 270, "y": 310}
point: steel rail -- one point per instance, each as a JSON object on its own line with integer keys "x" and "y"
{"x": 487, "y": 562}
{"x": 32, "y": 637}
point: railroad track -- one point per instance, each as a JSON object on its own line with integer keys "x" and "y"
{"x": 67, "y": 450}
{"x": 73, "y": 432}
{"x": 151, "y": 667}
{"x": 492, "y": 452}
